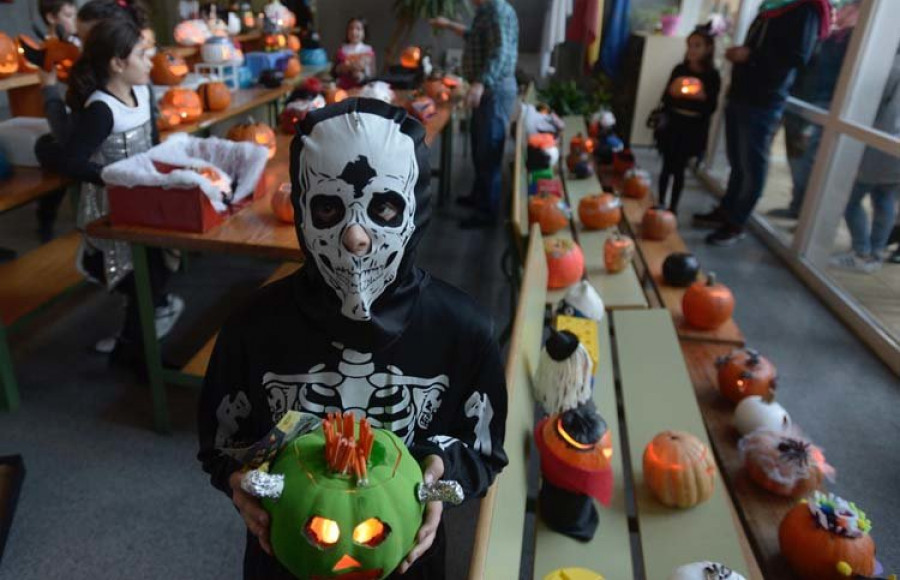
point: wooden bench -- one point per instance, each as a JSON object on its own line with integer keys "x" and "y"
{"x": 647, "y": 543}
{"x": 28, "y": 283}
{"x": 196, "y": 367}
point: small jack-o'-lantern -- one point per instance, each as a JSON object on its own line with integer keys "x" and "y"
{"x": 623, "y": 161}
{"x": 679, "y": 469}
{"x": 185, "y": 101}
{"x": 348, "y": 504}
{"x": 24, "y": 65}
{"x": 827, "y": 538}
{"x": 618, "y": 251}
{"x": 215, "y": 96}
{"x": 53, "y": 53}
{"x": 167, "y": 119}
{"x": 282, "y": 206}
{"x": 658, "y": 223}
{"x": 256, "y": 133}
{"x": 422, "y": 108}
{"x": 549, "y": 211}
{"x": 600, "y": 211}
{"x": 745, "y": 372}
{"x": 275, "y": 41}
{"x": 9, "y": 56}
{"x": 687, "y": 87}
{"x": 292, "y": 68}
{"x": 784, "y": 464}
{"x": 636, "y": 184}
{"x": 565, "y": 262}
{"x": 581, "y": 144}
{"x": 707, "y": 305}
{"x": 411, "y": 57}
{"x": 191, "y": 32}
{"x": 293, "y": 43}
{"x": 168, "y": 68}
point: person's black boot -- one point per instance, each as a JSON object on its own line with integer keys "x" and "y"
{"x": 710, "y": 219}
{"x": 726, "y": 235}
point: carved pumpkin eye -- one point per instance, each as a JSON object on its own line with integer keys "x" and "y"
{"x": 322, "y": 532}
{"x": 371, "y": 532}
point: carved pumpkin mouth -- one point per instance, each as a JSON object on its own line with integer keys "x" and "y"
{"x": 355, "y": 575}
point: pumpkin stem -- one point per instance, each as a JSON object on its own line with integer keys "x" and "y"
{"x": 711, "y": 279}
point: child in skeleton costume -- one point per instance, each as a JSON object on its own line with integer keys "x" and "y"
{"x": 113, "y": 119}
{"x": 359, "y": 328}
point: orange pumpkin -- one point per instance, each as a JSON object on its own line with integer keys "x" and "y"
{"x": 292, "y": 68}
{"x": 549, "y": 211}
{"x": 334, "y": 95}
{"x": 600, "y": 211}
{"x": 168, "y": 69}
{"x": 215, "y": 96}
{"x": 623, "y": 161}
{"x": 637, "y": 184}
{"x": 252, "y": 132}
{"x": 9, "y": 56}
{"x": 581, "y": 144}
{"x": 167, "y": 119}
{"x": 744, "y": 372}
{"x": 565, "y": 262}
{"x": 815, "y": 540}
{"x": 787, "y": 466}
{"x": 658, "y": 223}
{"x": 618, "y": 251}
{"x": 293, "y": 43}
{"x": 437, "y": 90}
{"x": 687, "y": 87}
{"x": 185, "y": 101}
{"x": 411, "y": 57}
{"x": 282, "y": 206}
{"x": 679, "y": 469}
{"x": 707, "y": 305}
{"x": 276, "y": 41}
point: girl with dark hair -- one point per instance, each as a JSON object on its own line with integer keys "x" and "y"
{"x": 114, "y": 119}
{"x": 355, "y": 60}
{"x": 688, "y": 104}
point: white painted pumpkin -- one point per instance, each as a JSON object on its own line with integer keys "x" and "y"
{"x": 754, "y": 413}
{"x": 704, "y": 571}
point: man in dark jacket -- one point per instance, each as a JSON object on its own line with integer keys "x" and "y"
{"x": 359, "y": 329}
{"x": 780, "y": 40}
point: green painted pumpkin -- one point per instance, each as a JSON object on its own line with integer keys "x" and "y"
{"x": 330, "y": 525}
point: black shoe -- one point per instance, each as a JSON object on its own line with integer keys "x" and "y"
{"x": 894, "y": 238}
{"x": 725, "y": 235}
{"x": 894, "y": 258}
{"x": 713, "y": 219}
{"x": 7, "y": 255}
{"x": 466, "y": 201}
{"x": 477, "y": 222}
{"x": 784, "y": 213}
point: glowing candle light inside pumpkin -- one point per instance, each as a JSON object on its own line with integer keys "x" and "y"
{"x": 367, "y": 531}
{"x": 689, "y": 86}
{"x": 324, "y": 530}
{"x": 569, "y": 439}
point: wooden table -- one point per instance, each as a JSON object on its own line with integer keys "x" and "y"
{"x": 252, "y": 231}
{"x": 28, "y": 184}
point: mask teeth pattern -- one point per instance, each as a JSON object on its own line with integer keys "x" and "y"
{"x": 345, "y": 453}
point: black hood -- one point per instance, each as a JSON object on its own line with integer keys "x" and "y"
{"x": 391, "y": 311}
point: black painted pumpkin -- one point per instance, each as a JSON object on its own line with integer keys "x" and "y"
{"x": 680, "y": 269}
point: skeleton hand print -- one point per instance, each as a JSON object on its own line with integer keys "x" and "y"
{"x": 227, "y": 414}
{"x": 479, "y": 406}
{"x": 357, "y": 169}
{"x": 390, "y": 400}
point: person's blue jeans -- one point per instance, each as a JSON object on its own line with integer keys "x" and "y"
{"x": 749, "y": 131}
{"x": 490, "y": 122}
{"x": 884, "y": 210}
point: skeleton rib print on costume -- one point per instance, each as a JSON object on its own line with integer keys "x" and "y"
{"x": 338, "y": 178}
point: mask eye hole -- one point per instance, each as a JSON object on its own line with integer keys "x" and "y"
{"x": 386, "y": 209}
{"x": 371, "y": 532}
{"x": 322, "y": 532}
{"x": 326, "y": 211}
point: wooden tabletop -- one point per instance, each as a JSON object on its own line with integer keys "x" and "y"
{"x": 242, "y": 101}
{"x": 28, "y": 184}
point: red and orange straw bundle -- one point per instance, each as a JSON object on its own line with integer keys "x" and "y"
{"x": 345, "y": 453}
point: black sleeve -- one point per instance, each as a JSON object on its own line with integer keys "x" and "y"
{"x": 91, "y": 128}
{"x": 790, "y": 41}
{"x": 712, "y": 84}
{"x": 223, "y": 401}
{"x": 56, "y": 112}
{"x": 473, "y": 451}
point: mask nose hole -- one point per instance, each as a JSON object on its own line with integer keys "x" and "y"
{"x": 356, "y": 240}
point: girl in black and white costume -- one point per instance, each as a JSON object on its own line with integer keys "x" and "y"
{"x": 114, "y": 119}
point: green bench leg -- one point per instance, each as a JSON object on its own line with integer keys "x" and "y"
{"x": 8, "y": 388}
{"x": 152, "y": 356}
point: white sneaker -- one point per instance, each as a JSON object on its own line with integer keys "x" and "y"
{"x": 854, "y": 262}
{"x": 168, "y": 314}
{"x": 106, "y": 345}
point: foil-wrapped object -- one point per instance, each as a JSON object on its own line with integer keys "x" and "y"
{"x": 445, "y": 490}
{"x": 261, "y": 484}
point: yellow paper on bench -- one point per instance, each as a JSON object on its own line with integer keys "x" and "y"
{"x": 586, "y": 331}
{"x": 573, "y": 574}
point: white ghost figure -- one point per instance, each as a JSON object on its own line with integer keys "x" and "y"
{"x": 351, "y": 167}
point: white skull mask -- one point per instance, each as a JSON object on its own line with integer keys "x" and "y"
{"x": 357, "y": 169}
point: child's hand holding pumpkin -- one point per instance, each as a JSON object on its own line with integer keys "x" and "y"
{"x": 256, "y": 518}
{"x": 433, "y": 471}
